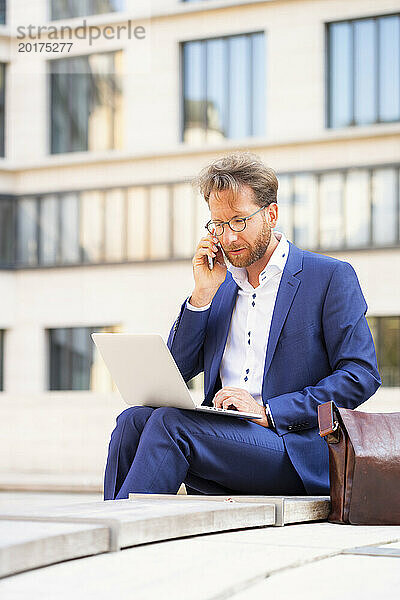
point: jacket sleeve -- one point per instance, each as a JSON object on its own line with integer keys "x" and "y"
{"x": 351, "y": 353}
{"x": 186, "y": 340}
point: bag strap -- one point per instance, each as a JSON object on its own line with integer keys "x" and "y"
{"x": 326, "y": 419}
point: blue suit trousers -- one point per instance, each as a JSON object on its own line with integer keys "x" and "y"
{"x": 155, "y": 450}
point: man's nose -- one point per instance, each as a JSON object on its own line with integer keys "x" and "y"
{"x": 229, "y": 236}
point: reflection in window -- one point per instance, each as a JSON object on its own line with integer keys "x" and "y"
{"x": 49, "y": 231}
{"x": 183, "y": 221}
{"x": 331, "y": 211}
{"x": 364, "y": 71}
{"x": 66, "y": 9}
{"x": 224, "y": 88}
{"x": 3, "y": 12}
{"x": 115, "y": 232}
{"x": 305, "y": 211}
{"x": 384, "y": 217}
{"x": 6, "y": 231}
{"x": 86, "y": 103}
{"x": 1, "y": 360}
{"x": 92, "y": 223}
{"x": 27, "y": 231}
{"x": 74, "y": 361}
{"x": 138, "y": 223}
{"x": 160, "y": 222}
{"x": 357, "y": 216}
{"x": 285, "y": 206}
{"x": 69, "y": 207}
{"x": 386, "y": 334}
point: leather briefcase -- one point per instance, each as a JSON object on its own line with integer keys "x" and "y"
{"x": 364, "y": 465}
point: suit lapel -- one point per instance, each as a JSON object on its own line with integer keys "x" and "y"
{"x": 286, "y": 292}
{"x": 224, "y": 310}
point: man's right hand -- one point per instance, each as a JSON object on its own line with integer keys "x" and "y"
{"x": 207, "y": 281}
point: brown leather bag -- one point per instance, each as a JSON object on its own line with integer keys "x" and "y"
{"x": 364, "y": 465}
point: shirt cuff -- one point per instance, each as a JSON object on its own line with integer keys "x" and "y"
{"x": 196, "y": 308}
{"x": 269, "y": 416}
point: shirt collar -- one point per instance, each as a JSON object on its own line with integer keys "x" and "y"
{"x": 277, "y": 260}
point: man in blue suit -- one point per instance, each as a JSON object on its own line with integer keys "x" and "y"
{"x": 276, "y": 332}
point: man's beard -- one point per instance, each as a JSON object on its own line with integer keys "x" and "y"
{"x": 255, "y": 252}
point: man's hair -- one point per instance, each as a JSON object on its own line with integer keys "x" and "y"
{"x": 233, "y": 171}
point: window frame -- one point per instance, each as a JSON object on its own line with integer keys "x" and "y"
{"x": 328, "y": 82}
{"x": 203, "y": 41}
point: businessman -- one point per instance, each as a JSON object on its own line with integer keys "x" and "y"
{"x": 277, "y": 331}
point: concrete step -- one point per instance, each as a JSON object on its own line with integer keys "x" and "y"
{"x": 27, "y": 545}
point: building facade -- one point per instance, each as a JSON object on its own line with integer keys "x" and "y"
{"x": 108, "y": 108}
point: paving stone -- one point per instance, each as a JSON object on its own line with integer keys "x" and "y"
{"x": 289, "y": 509}
{"x": 146, "y": 520}
{"x": 355, "y": 577}
{"x": 192, "y": 569}
{"x": 27, "y": 545}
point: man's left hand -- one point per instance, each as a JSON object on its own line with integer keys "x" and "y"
{"x": 241, "y": 400}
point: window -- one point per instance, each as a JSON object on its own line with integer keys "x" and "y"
{"x": 2, "y": 107}
{"x": 6, "y": 231}
{"x": 386, "y": 334}
{"x": 74, "y": 361}
{"x": 224, "y": 92}
{"x": 86, "y": 103}
{"x": 27, "y": 231}
{"x": 3, "y": 12}
{"x": 354, "y": 208}
{"x": 65, "y": 9}
{"x": 1, "y": 360}
{"x": 364, "y": 71}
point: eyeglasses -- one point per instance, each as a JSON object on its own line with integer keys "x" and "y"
{"x": 236, "y": 224}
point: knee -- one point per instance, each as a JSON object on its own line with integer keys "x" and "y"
{"x": 167, "y": 418}
{"x": 133, "y": 417}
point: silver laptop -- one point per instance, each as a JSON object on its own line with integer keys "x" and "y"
{"x": 146, "y": 374}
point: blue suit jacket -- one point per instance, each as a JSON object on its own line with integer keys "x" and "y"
{"x": 319, "y": 349}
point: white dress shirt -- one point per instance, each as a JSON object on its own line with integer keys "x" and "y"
{"x": 243, "y": 360}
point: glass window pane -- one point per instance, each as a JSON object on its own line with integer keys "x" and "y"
{"x": 389, "y": 68}
{"x": 59, "y": 359}
{"x": 216, "y": 89}
{"x": 138, "y": 223}
{"x": 49, "y": 235}
{"x": 194, "y": 92}
{"x": 92, "y": 226}
{"x": 27, "y": 221}
{"x": 389, "y": 351}
{"x": 69, "y": 207}
{"x": 357, "y": 218}
{"x": 239, "y": 87}
{"x": 285, "y": 206}
{"x": 184, "y": 220}
{"x": 365, "y": 109}
{"x": 331, "y": 211}
{"x": 259, "y": 85}
{"x": 202, "y": 216}
{"x": 3, "y": 12}
{"x": 340, "y": 74}
{"x": 305, "y": 211}
{"x": 115, "y": 225}
{"x": 159, "y": 222}
{"x": 65, "y": 9}
{"x": 86, "y": 103}
{"x": 6, "y": 231}
{"x": 81, "y": 358}
{"x": 384, "y": 221}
